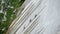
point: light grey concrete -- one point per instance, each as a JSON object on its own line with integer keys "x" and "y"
{"x": 48, "y": 22}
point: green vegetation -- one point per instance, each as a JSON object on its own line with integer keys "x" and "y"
{"x": 9, "y": 7}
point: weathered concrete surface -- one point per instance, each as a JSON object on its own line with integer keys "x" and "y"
{"x": 48, "y": 22}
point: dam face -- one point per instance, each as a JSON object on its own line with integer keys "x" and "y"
{"x": 38, "y": 17}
